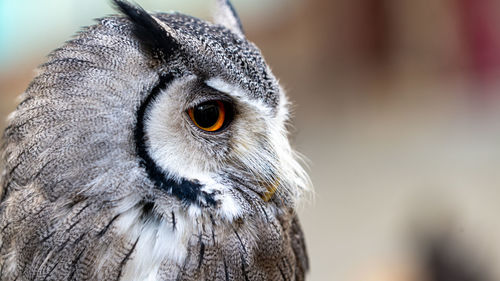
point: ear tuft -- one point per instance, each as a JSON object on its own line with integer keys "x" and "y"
{"x": 226, "y": 15}
{"x": 154, "y": 36}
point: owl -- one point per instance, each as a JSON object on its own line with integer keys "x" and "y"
{"x": 152, "y": 146}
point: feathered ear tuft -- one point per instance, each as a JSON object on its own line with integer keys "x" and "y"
{"x": 226, "y": 15}
{"x": 155, "y": 36}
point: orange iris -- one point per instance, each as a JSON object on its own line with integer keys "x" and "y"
{"x": 208, "y": 116}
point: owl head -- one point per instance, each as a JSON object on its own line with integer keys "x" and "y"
{"x": 154, "y": 111}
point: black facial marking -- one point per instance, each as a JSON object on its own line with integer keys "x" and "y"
{"x": 152, "y": 36}
{"x": 187, "y": 191}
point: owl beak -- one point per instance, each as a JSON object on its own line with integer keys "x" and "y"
{"x": 271, "y": 190}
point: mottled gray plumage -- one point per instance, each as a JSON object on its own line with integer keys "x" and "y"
{"x": 107, "y": 178}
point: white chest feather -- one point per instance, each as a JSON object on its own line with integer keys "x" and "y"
{"x": 155, "y": 243}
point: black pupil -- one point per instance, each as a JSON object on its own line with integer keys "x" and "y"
{"x": 207, "y": 114}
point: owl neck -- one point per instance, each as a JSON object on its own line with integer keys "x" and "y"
{"x": 189, "y": 244}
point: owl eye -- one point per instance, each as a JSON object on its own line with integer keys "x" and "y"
{"x": 210, "y": 116}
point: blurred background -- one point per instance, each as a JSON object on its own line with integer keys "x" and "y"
{"x": 396, "y": 106}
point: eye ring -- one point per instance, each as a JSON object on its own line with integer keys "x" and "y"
{"x": 210, "y": 116}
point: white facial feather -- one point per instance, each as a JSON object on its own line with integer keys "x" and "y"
{"x": 170, "y": 146}
{"x": 284, "y": 159}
